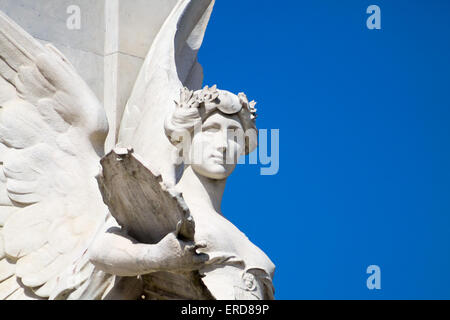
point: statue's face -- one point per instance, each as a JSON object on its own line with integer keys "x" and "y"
{"x": 216, "y": 149}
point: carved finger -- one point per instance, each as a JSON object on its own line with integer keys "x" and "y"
{"x": 200, "y": 245}
{"x": 221, "y": 259}
{"x": 191, "y": 247}
{"x": 201, "y": 258}
{"x": 179, "y": 225}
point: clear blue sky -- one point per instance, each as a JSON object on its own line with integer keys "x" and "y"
{"x": 364, "y": 119}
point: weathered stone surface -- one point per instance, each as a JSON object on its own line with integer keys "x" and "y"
{"x": 109, "y": 48}
{"x": 127, "y": 184}
{"x": 58, "y": 239}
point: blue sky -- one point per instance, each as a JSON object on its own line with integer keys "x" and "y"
{"x": 364, "y": 120}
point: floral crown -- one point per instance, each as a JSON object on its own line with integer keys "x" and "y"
{"x": 195, "y": 99}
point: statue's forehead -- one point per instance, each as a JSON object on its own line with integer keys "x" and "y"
{"x": 223, "y": 119}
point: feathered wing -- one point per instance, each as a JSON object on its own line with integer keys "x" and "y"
{"x": 52, "y": 131}
{"x": 170, "y": 65}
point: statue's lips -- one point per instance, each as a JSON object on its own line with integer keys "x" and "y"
{"x": 218, "y": 159}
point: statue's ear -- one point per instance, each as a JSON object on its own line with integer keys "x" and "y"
{"x": 182, "y": 142}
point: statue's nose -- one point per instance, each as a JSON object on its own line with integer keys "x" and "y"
{"x": 222, "y": 141}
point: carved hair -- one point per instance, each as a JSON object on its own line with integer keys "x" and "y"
{"x": 195, "y": 107}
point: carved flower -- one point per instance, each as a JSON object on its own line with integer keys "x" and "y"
{"x": 191, "y": 99}
{"x": 249, "y": 105}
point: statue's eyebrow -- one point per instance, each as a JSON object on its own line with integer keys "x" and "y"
{"x": 234, "y": 127}
{"x": 211, "y": 124}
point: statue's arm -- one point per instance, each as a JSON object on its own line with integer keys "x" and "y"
{"x": 116, "y": 253}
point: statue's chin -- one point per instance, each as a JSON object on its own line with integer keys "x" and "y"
{"x": 214, "y": 171}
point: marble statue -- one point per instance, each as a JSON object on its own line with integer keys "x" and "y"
{"x": 70, "y": 229}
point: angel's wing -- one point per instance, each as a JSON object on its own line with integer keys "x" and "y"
{"x": 170, "y": 65}
{"x": 52, "y": 132}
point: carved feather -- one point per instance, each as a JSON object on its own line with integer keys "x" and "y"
{"x": 52, "y": 131}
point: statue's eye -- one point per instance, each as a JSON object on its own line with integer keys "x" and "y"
{"x": 211, "y": 129}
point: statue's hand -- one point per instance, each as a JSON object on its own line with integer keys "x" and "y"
{"x": 175, "y": 254}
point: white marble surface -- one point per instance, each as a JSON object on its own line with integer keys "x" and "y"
{"x": 61, "y": 235}
{"x": 109, "y": 48}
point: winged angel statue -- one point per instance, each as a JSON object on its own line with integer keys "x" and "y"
{"x": 68, "y": 232}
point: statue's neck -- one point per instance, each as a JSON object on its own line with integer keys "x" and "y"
{"x": 200, "y": 192}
